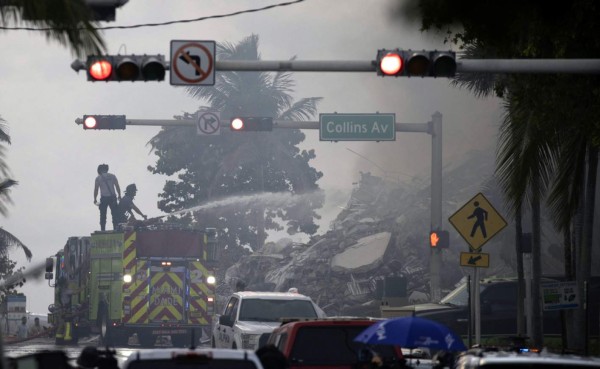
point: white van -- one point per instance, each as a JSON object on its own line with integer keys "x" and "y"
{"x": 249, "y": 317}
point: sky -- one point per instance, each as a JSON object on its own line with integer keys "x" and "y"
{"x": 55, "y": 160}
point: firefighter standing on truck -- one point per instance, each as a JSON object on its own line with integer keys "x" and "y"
{"x": 110, "y": 192}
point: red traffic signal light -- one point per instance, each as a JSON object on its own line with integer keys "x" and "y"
{"x": 243, "y": 124}
{"x": 439, "y": 239}
{"x": 126, "y": 68}
{"x": 390, "y": 63}
{"x": 99, "y": 69}
{"x": 409, "y": 63}
{"x": 103, "y": 122}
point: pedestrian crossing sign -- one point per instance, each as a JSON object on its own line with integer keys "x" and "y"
{"x": 477, "y": 221}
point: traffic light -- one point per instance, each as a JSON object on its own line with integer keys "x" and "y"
{"x": 100, "y": 10}
{"x": 104, "y": 10}
{"x": 126, "y": 68}
{"x": 413, "y": 63}
{"x": 49, "y": 268}
{"x": 439, "y": 239}
{"x": 244, "y": 124}
{"x": 103, "y": 122}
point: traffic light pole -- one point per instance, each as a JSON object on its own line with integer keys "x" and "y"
{"x": 434, "y": 128}
{"x": 575, "y": 66}
{"x": 436, "y": 202}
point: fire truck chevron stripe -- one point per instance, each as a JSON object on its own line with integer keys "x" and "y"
{"x": 139, "y": 311}
{"x": 198, "y": 265}
{"x": 201, "y": 288}
{"x": 165, "y": 312}
{"x": 198, "y": 304}
{"x": 129, "y": 252}
{"x": 168, "y": 277}
{"x": 198, "y": 314}
{"x": 167, "y": 300}
{"x": 140, "y": 291}
{"x": 137, "y": 291}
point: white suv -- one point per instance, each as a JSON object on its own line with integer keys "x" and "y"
{"x": 249, "y": 317}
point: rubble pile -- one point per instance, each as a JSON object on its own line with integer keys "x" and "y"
{"x": 382, "y": 232}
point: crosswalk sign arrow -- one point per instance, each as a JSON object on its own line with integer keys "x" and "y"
{"x": 474, "y": 260}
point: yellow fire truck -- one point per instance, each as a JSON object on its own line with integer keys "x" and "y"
{"x": 151, "y": 282}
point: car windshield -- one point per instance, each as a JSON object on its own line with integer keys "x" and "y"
{"x": 332, "y": 346}
{"x": 264, "y": 310}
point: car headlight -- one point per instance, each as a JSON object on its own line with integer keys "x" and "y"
{"x": 250, "y": 341}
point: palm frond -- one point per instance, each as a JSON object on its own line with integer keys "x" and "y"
{"x": 565, "y": 194}
{"x": 9, "y": 241}
{"x": 5, "y": 199}
{"x": 302, "y": 109}
{"x": 481, "y": 84}
{"x": 4, "y": 136}
{"x": 68, "y": 22}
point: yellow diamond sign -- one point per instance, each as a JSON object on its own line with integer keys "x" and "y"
{"x": 477, "y": 221}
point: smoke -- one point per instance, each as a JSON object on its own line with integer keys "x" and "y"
{"x": 272, "y": 199}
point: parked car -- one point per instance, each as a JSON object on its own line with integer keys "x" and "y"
{"x": 329, "y": 343}
{"x": 481, "y": 359}
{"x": 498, "y": 303}
{"x": 249, "y": 317}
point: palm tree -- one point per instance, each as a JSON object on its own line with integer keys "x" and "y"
{"x": 67, "y": 22}
{"x": 7, "y": 240}
{"x": 257, "y": 161}
{"x": 483, "y": 85}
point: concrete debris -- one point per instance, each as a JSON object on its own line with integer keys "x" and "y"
{"x": 382, "y": 233}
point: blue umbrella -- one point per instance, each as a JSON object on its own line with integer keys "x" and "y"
{"x": 410, "y": 333}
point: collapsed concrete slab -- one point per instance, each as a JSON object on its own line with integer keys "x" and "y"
{"x": 365, "y": 255}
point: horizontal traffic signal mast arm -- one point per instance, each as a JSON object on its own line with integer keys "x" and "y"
{"x": 576, "y": 66}
{"x": 400, "y": 127}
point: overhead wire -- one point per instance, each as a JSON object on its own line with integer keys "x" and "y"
{"x": 163, "y": 23}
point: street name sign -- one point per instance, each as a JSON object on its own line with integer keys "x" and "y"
{"x": 357, "y": 127}
{"x": 477, "y": 221}
{"x": 475, "y": 259}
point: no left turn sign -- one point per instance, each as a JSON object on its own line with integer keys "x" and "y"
{"x": 192, "y": 62}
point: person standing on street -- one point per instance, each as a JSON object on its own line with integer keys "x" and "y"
{"x": 110, "y": 192}
{"x": 36, "y": 329}
{"x": 22, "y": 330}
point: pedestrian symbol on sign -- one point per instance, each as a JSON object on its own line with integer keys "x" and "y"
{"x": 477, "y": 221}
{"x": 481, "y": 216}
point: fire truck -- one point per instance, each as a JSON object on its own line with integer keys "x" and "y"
{"x": 147, "y": 282}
